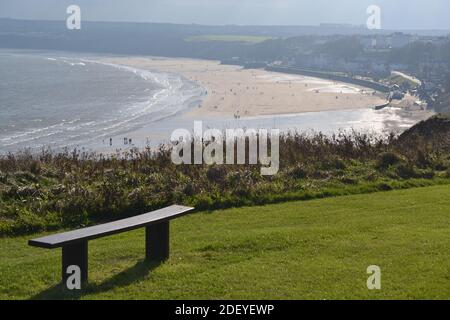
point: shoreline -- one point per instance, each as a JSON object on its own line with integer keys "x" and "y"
{"x": 276, "y": 100}
{"x": 236, "y": 92}
{"x": 232, "y": 97}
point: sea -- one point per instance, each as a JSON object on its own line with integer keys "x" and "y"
{"x": 53, "y": 100}
{"x": 65, "y": 101}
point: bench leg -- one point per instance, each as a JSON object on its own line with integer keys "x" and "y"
{"x": 75, "y": 255}
{"x": 157, "y": 242}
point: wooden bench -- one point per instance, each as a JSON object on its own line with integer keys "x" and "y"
{"x": 74, "y": 244}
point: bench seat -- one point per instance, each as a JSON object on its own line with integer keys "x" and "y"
{"x": 103, "y": 230}
{"x": 74, "y": 244}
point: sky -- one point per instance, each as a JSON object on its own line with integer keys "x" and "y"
{"x": 395, "y": 14}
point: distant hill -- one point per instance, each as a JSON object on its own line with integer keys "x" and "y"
{"x": 160, "y": 38}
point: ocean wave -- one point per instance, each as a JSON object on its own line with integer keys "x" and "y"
{"x": 167, "y": 96}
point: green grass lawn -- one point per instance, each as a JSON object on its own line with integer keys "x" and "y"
{"x": 402, "y": 81}
{"x": 317, "y": 249}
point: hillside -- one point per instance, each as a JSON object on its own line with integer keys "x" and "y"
{"x": 434, "y": 131}
{"x": 47, "y": 191}
{"x": 299, "y": 250}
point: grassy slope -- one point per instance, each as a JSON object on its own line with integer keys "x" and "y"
{"x": 50, "y": 191}
{"x": 317, "y": 249}
{"x": 402, "y": 81}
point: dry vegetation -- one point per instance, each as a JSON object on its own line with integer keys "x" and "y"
{"x": 50, "y": 191}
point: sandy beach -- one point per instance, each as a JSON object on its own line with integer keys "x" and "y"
{"x": 236, "y": 92}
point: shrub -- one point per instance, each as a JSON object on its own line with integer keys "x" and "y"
{"x": 216, "y": 174}
{"x": 428, "y": 174}
{"x": 406, "y": 171}
{"x": 334, "y": 163}
{"x": 321, "y": 174}
{"x": 3, "y": 177}
{"x": 203, "y": 203}
{"x": 423, "y": 160}
{"x": 384, "y": 187}
{"x": 348, "y": 180}
{"x": 190, "y": 189}
{"x": 298, "y": 172}
{"x": 372, "y": 176}
{"x": 73, "y": 189}
{"x": 28, "y": 222}
{"x": 75, "y": 219}
{"x": 25, "y": 177}
{"x": 17, "y": 192}
{"x": 440, "y": 166}
{"x": 387, "y": 159}
{"x": 339, "y": 164}
{"x": 35, "y": 167}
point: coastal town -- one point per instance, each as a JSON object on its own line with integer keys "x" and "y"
{"x": 398, "y": 63}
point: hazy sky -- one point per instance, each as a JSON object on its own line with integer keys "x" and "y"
{"x": 396, "y": 14}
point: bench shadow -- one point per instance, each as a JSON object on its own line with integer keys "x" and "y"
{"x": 124, "y": 278}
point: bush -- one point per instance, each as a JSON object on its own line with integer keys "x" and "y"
{"x": 3, "y": 177}
{"x": 440, "y": 166}
{"x": 339, "y": 164}
{"x": 190, "y": 189}
{"x": 71, "y": 190}
{"x": 384, "y": 187}
{"x": 423, "y": 160}
{"x": 216, "y": 174}
{"x": 16, "y": 192}
{"x": 428, "y": 174}
{"x": 298, "y": 172}
{"x": 203, "y": 203}
{"x": 406, "y": 171}
{"x": 35, "y": 167}
{"x": 387, "y": 159}
{"x": 75, "y": 219}
{"x": 25, "y": 177}
{"x": 334, "y": 164}
{"x": 348, "y": 180}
